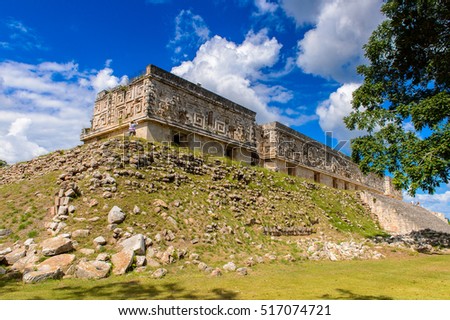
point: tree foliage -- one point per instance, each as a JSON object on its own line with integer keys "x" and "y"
{"x": 404, "y": 101}
{"x": 3, "y": 163}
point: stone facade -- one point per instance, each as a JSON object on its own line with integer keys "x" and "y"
{"x": 169, "y": 109}
{"x": 284, "y": 149}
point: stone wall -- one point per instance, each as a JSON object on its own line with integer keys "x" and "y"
{"x": 398, "y": 217}
{"x": 287, "y": 150}
{"x": 165, "y": 105}
{"x": 169, "y": 109}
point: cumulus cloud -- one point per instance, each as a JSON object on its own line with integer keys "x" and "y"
{"x": 236, "y": 71}
{"x": 332, "y": 111}
{"x": 304, "y": 12}
{"x": 15, "y": 146}
{"x": 44, "y": 106}
{"x": 190, "y": 31}
{"x": 439, "y": 202}
{"x": 265, "y": 7}
{"x": 333, "y": 48}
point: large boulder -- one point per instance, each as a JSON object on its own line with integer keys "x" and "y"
{"x": 122, "y": 261}
{"x": 43, "y": 274}
{"x": 15, "y": 256}
{"x": 135, "y": 243}
{"x": 92, "y": 269}
{"x": 56, "y": 245}
{"x": 25, "y": 264}
{"x": 62, "y": 261}
{"x": 116, "y": 215}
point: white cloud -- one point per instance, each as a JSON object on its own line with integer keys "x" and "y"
{"x": 332, "y": 111}
{"x": 439, "y": 202}
{"x": 190, "y": 31}
{"x": 235, "y": 71}
{"x": 304, "y": 11}
{"x": 15, "y": 146}
{"x": 43, "y": 107}
{"x": 333, "y": 48}
{"x": 19, "y": 36}
{"x": 265, "y": 7}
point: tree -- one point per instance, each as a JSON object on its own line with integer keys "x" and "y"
{"x": 3, "y": 163}
{"x": 404, "y": 101}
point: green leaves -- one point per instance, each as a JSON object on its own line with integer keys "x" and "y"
{"x": 404, "y": 102}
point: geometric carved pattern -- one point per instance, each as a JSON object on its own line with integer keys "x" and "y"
{"x": 199, "y": 120}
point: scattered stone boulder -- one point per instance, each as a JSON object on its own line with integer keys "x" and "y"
{"x": 87, "y": 251}
{"x": 103, "y": 257}
{"x": 167, "y": 257}
{"x": 202, "y": 266}
{"x": 56, "y": 245}
{"x": 122, "y": 261}
{"x": 15, "y": 255}
{"x": 63, "y": 261}
{"x": 81, "y": 233}
{"x": 116, "y": 215}
{"x": 140, "y": 261}
{"x": 135, "y": 243}
{"x": 159, "y": 273}
{"x": 42, "y": 274}
{"x": 92, "y": 269}
{"x": 4, "y": 233}
{"x": 242, "y": 271}
{"x": 5, "y": 251}
{"x": 100, "y": 241}
{"x": 216, "y": 272}
{"x": 230, "y": 266}
{"x": 25, "y": 264}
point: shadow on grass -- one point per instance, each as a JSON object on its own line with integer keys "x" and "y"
{"x": 343, "y": 294}
{"x": 121, "y": 290}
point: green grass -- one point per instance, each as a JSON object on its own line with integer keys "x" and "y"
{"x": 422, "y": 277}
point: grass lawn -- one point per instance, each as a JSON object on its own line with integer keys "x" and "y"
{"x": 419, "y": 277}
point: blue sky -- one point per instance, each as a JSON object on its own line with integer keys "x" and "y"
{"x": 289, "y": 60}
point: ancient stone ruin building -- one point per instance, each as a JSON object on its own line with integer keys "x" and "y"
{"x": 170, "y": 109}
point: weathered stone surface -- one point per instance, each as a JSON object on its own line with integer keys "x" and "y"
{"x": 160, "y": 203}
{"x": 202, "y": 266}
{"x": 103, "y": 257}
{"x": 15, "y": 255}
{"x": 92, "y": 269}
{"x": 116, "y": 215}
{"x": 86, "y": 251}
{"x": 167, "y": 256}
{"x": 56, "y": 245}
{"x": 140, "y": 261}
{"x": 159, "y": 273}
{"x": 230, "y": 266}
{"x": 63, "y": 261}
{"x": 28, "y": 242}
{"x": 100, "y": 241}
{"x": 4, "y": 233}
{"x": 153, "y": 263}
{"x": 135, "y": 243}
{"x": 2, "y": 271}
{"x": 43, "y": 274}
{"x": 5, "y": 251}
{"x": 242, "y": 271}
{"x": 122, "y": 261}
{"x": 81, "y": 233}
{"x": 25, "y": 264}
{"x": 216, "y": 272}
